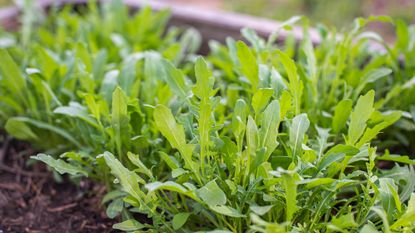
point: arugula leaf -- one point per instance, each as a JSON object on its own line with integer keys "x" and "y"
{"x": 360, "y": 115}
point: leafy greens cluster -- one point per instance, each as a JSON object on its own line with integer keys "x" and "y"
{"x": 262, "y": 138}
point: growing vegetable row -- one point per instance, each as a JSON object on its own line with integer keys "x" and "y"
{"x": 258, "y": 138}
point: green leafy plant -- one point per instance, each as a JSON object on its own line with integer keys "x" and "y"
{"x": 260, "y": 138}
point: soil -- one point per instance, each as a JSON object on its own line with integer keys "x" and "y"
{"x": 32, "y": 201}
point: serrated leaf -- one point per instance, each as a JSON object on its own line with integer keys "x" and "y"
{"x": 174, "y": 132}
{"x": 167, "y": 125}
{"x": 290, "y": 188}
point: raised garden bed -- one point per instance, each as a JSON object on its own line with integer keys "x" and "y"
{"x": 267, "y": 138}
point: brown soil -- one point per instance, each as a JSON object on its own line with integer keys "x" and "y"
{"x": 32, "y": 201}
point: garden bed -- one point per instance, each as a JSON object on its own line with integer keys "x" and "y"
{"x": 32, "y": 201}
{"x": 266, "y": 137}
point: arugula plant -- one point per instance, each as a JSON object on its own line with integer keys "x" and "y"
{"x": 252, "y": 139}
{"x": 330, "y": 76}
{"x": 257, "y": 169}
{"x": 72, "y": 66}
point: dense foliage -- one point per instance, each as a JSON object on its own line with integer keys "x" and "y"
{"x": 260, "y": 138}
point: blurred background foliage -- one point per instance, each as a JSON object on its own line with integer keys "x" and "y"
{"x": 338, "y": 13}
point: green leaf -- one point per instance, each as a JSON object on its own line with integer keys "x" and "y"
{"x": 252, "y": 136}
{"x": 171, "y": 186}
{"x": 260, "y": 210}
{"x": 211, "y": 194}
{"x": 344, "y": 221}
{"x": 14, "y": 79}
{"x": 112, "y": 195}
{"x": 128, "y": 225}
{"x": 408, "y": 218}
{"x": 248, "y": 64}
{"x": 175, "y": 79}
{"x": 41, "y": 125}
{"x": 341, "y": 114}
{"x": 261, "y": 98}
{"x": 169, "y": 160}
{"x": 294, "y": 83}
{"x": 135, "y": 159}
{"x": 115, "y": 208}
{"x": 290, "y": 188}
{"x": 179, "y": 220}
{"x": 227, "y": 211}
{"x": 311, "y": 183}
{"x": 129, "y": 180}
{"x": 167, "y": 125}
{"x": 60, "y": 166}
{"x": 396, "y": 158}
{"x": 204, "y": 83}
{"x": 371, "y": 133}
{"x": 370, "y": 77}
{"x": 239, "y": 118}
{"x": 388, "y": 196}
{"x": 76, "y": 110}
{"x": 119, "y": 117}
{"x": 298, "y": 128}
{"x": 359, "y": 117}
{"x": 19, "y": 130}
{"x": 269, "y": 127}
{"x": 368, "y": 228}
